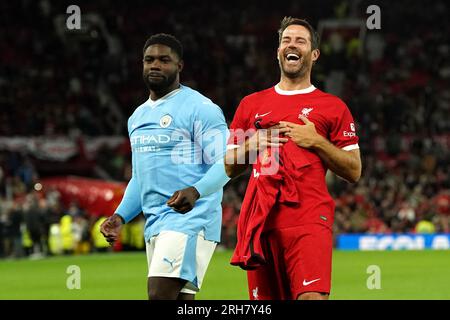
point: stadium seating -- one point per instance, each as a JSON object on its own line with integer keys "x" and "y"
{"x": 84, "y": 85}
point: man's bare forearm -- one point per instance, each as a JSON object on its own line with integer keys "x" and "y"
{"x": 237, "y": 160}
{"x": 346, "y": 164}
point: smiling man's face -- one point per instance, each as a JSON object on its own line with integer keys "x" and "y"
{"x": 295, "y": 54}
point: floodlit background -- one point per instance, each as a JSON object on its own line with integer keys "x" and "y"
{"x": 66, "y": 95}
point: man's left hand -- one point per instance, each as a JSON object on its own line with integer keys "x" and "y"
{"x": 183, "y": 201}
{"x": 305, "y": 135}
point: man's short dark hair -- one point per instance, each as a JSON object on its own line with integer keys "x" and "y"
{"x": 289, "y": 21}
{"x": 167, "y": 40}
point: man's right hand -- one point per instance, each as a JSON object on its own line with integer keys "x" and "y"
{"x": 111, "y": 227}
{"x": 264, "y": 138}
{"x": 238, "y": 159}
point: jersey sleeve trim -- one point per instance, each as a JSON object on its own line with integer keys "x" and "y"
{"x": 351, "y": 147}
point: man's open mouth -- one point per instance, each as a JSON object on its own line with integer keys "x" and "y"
{"x": 292, "y": 57}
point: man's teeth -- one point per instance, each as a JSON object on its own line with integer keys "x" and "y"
{"x": 292, "y": 56}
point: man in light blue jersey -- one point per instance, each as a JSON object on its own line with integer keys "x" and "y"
{"x": 178, "y": 140}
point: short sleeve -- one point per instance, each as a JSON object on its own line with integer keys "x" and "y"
{"x": 343, "y": 130}
{"x": 239, "y": 125}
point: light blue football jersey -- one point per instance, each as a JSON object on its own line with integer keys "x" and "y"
{"x": 174, "y": 141}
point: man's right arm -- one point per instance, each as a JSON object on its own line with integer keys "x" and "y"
{"x": 237, "y": 159}
{"x": 130, "y": 206}
{"x": 245, "y": 141}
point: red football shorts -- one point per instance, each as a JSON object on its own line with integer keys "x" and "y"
{"x": 298, "y": 261}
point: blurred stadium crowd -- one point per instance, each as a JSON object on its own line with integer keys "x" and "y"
{"x": 59, "y": 82}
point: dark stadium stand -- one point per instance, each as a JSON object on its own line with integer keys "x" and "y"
{"x": 82, "y": 86}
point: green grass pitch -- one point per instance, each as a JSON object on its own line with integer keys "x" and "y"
{"x": 404, "y": 275}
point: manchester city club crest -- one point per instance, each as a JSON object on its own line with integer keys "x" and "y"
{"x": 165, "y": 121}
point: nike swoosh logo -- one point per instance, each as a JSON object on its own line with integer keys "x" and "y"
{"x": 257, "y": 115}
{"x": 307, "y": 283}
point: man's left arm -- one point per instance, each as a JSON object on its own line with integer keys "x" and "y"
{"x": 210, "y": 134}
{"x": 214, "y": 179}
{"x": 344, "y": 163}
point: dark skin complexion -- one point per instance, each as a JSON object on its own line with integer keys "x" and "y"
{"x": 161, "y": 69}
{"x": 161, "y": 74}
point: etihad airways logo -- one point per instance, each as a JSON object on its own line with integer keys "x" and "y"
{"x": 208, "y": 146}
{"x": 146, "y": 139}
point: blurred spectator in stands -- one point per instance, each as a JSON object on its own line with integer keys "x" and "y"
{"x": 376, "y": 225}
{"x": 406, "y": 216}
{"x": 14, "y": 230}
{"x": 98, "y": 240}
{"x": 358, "y": 219}
{"x": 398, "y": 91}
{"x": 442, "y": 205}
{"x": 45, "y": 216}
{"x": 67, "y": 234}
{"x": 136, "y": 231}
{"x": 342, "y": 220}
{"x": 81, "y": 234}
{"x": 231, "y": 205}
{"x": 3, "y": 228}
{"x": 74, "y": 210}
{"x": 35, "y": 225}
{"x": 18, "y": 187}
{"x": 27, "y": 172}
{"x": 2, "y": 177}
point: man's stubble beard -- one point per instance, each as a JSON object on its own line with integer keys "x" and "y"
{"x": 160, "y": 85}
{"x": 305, "y": 67}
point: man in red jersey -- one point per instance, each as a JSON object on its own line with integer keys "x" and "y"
{"x": 285, "y": 226}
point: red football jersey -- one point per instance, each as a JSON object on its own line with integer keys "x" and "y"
{"x": 332, "y": 120}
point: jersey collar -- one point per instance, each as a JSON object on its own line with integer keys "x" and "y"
{"x": 292, "y": 92}
{"x": 153, "y": 104}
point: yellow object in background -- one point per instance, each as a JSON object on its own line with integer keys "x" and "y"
{"x": 66, "y": 233}
{"x": 137, "y": 234}
{"x": 55, "y": 241}
{"x": 97, "y": 238}
{"x": 26, "y": 239}
{"x": 425, "y": 226}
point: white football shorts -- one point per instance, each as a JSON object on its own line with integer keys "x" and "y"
{"x": 174, "y": 254}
